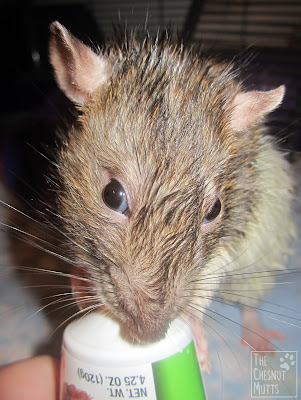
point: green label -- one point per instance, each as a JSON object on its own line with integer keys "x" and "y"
{"x": 179, "y": 377}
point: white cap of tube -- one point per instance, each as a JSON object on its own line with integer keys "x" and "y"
{"x": 96, "y": 338}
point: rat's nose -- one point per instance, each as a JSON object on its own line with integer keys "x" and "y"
{"x": 142, "y": 305}
{"x": 145, "y": 318}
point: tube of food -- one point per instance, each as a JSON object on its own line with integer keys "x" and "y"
{"x": 97, "y": 363}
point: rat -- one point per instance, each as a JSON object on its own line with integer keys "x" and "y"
{"x": 170, "y": 190}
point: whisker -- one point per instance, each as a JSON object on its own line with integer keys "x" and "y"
{"x": 211, "y": 310}
{"x": 65, "y": 307}
{"x": 258, "y": 309}
{"x": 273, "y": 272}
{"x": 36, "y": 270}
{"x": 263, "y": 300}
{"x": 196, "y": 308}
{"x": 238, "y": 294}
{"x": 79, "y": 312}
{"x": 43, "y": 226}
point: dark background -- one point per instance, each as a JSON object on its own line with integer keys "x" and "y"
{"x": 32, "y": 107}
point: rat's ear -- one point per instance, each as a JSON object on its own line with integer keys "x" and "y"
{"x": 250, "y": 107}
{"x": 78, "y": 70}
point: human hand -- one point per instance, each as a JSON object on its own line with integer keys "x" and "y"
{"x": 33, "y": 379}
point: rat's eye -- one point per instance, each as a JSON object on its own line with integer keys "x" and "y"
{"x": 114, "y": 197}
{"x": 214, "y": 212}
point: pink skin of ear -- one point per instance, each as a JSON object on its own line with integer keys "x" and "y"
{"x": 78, "y": 70}
{"x": 249, "y": 107}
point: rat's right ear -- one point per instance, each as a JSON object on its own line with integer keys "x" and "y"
{"x": 78, "y": 70}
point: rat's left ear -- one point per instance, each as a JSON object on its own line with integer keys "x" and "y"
{"x": 78, "y": 70}
{"x": 250, "y": 107}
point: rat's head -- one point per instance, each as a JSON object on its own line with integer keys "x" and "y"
{"x": 157, "y": 176}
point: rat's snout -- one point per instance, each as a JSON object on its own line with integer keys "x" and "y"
{"x": 139, "y": 306}
{"x": 144, "y": 320}
{"x": 144, "y": 316}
